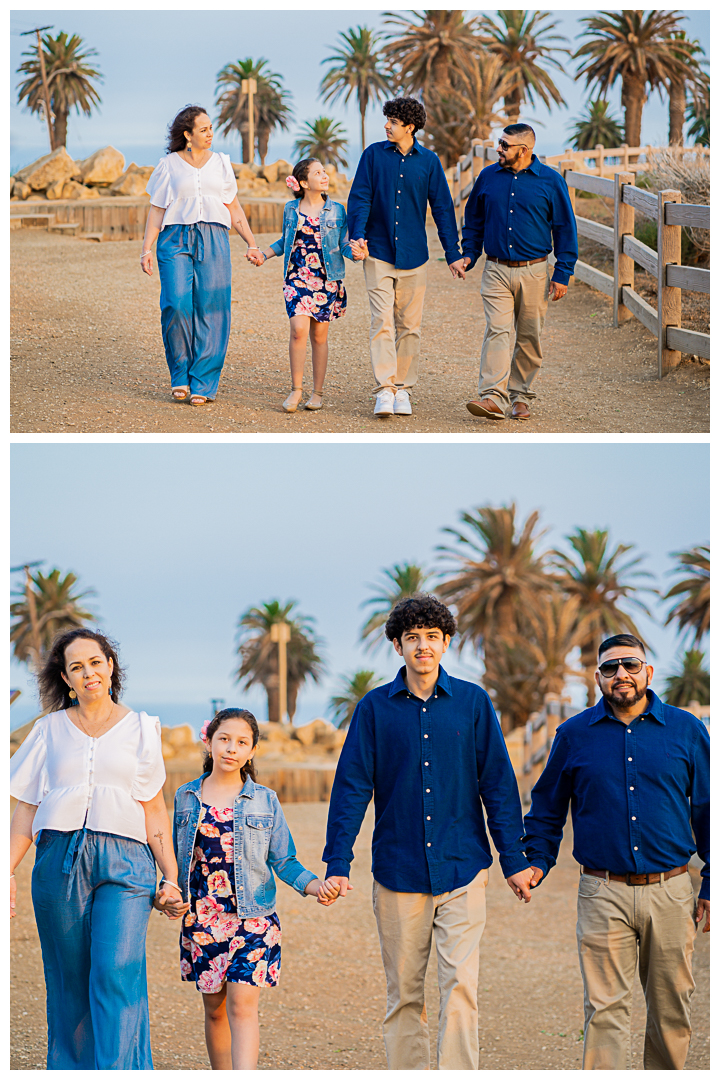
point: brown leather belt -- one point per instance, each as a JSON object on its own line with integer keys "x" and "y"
{"x": 637, "y": 879}
{"x": 506, "y": 262}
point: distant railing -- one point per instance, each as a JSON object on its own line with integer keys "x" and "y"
{"x": 666, "y": 208}
{"x": 607, "y": 160}
{"x": 529, "y": 746}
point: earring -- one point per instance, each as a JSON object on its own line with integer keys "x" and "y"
{"x": 110, "y": 690}
{"x": 72, "y": 695}
{"x": 188, "y": 148}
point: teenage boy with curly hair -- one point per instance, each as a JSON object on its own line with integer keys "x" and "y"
{"x": 429, "y": 748}
{"x": 387, "y": 206}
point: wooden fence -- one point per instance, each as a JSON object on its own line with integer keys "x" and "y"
{"x": 529, "y": 746}
{"x": 606, "y": 161}
{"x": 670, "y": 213}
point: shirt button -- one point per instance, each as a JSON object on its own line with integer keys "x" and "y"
{"x": 424, "y": 736}
{"x": 511, "y": 245}
{"x": 629, "y": 731}
{"x": 635, "y": 848}
{"x": 427, "y": 789}
{"x": 629, "y": 759}
{"x": 424, "y": 709}
{"x": 429, "y": 845}
{"x": 427, "y": 762}
{"x": 241, "y": 886}
{"x": 428, "y": 817}
{"x": 634, "y": 819}
{"x": 632, "y": 788}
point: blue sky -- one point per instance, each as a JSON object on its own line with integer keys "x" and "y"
{"x": 154, "y": 62}
{"x": 179, "y": 539}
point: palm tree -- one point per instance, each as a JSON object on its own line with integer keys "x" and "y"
{"x": 601, "y": 580}
{"x": 325, "y": 139}
{"x": 57, "y": 608}
{"x": 525, "y": 43}
{"x": 640, "y": 48}
{"x": 69, "y": 81}
{"x": 259, "y": 654}
{"x": 479, "y": 87}
{"x": 690, "y": 683}
{"x": 271, "y": 104}
{"x": 693, "y": 612}
{"x": 496, "y": 573}
{"x": 406, "y": 579}
{"x": 698, "y": 116}
{"x": 427, "y": 52}
{"x": 358, "y": 72}
{"x": 688, "y": 76}
{"x": 355, "y": 687}
{"x": 597, "y": 126}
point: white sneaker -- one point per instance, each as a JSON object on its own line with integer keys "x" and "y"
{"x": 384, "y": 403}
{"x": 402, "y": 403}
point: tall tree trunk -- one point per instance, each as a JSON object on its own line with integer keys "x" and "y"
{"x": 362, "y": 126}
{"x": 59, "y": 128}
{"x": 263, "y": 138}
{"x": 588, "y": 654}
{"x": 678, "y": 101}
{"x": 633, "y": 100}
{"x": 272, "y": 690}
{"x": 292, "y": 696}
{"x": 512, "y": 106}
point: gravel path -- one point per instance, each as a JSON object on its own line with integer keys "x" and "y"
{"x": 328, "y": 1009}
{"x": 87, "y": 356}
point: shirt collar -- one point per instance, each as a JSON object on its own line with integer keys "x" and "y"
{"x": 655, "y": 709}
{"x": 398, "y": 685}
{"x": 416, "y": 148}
{"x": 533, "y": 167}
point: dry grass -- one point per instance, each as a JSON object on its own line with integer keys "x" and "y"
{"x": 689, "y": 173}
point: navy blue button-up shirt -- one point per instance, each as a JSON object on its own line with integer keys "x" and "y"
{"x": 432, "y": 766}
{"x": 519, "y": 216}
{"x": 637, "y": 793}
{"x": 388, "y": 204}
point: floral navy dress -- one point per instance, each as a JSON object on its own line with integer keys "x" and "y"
{"x": 215, "y": 944}
{"x": 307, "y": 290}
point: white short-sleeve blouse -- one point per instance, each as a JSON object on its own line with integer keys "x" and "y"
{"x": 77, "y": 781}
{"x": 189, "y": 195}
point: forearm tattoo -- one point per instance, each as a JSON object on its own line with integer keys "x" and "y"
{"x": 159, "y": 836}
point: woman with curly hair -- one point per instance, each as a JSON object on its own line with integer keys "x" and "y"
{"x": 387, "y": 207}
{"x": 193, "y": 206}
{"x": 88, "y": 780}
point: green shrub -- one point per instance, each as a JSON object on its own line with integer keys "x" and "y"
{"x": 646, "y": 233}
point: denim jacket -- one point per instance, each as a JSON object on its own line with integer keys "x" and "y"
{"x": 262, "y": 843}
{"x": 333, "y": 234}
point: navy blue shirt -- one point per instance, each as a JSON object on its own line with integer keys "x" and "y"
{"x": 519, "y": 216}
{"x": 431, "y": 766}
{"x": 637, "y": 793}
{"x": 388, "y": 204}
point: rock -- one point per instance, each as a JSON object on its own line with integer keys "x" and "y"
{"x": 21, "y": 190}
{"x": 55, "y": 190}
{"x": 277, "y": 170}
{"x": 46, "y": 170}
{"x": 277, "y": 733}
{"x": 180, "y": 738}
{"x": 244, "y": 171}
{"x": 103, "y": 167}
{"x": 73, "y": 190}
{"x": 312, "y": 732}
{"x": 133, "y": 181}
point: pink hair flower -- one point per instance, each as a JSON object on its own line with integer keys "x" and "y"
{"x": 292, "y": 183}
{"x": 204, "y": 731}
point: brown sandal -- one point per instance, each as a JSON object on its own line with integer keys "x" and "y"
{"x": 180, "y": 393}
{"x": 198, "y": 399}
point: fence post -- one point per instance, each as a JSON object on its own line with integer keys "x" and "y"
{"x": 625, "y": 156}
{"x": 477, "y": 162}
{"x": 623, "y": 265}
{"x": 669, "y": 246}
{"x": 487, "y": 144}
{"x": 600, "y": 150}
{"x": 564, "y": 167}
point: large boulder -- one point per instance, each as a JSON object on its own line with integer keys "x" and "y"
{"x": 46, "y": 170}
{"x": 101, "y": 168}
{"x": 276, "y": 170}
{"x": 55, "y": 190}
{"x": 133, "y": 181}
{"x": 73, "y": 190}
{"x": 20, "y": 190}
{"x": 244, "y": 171}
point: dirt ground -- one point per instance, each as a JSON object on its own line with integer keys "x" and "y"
{"x": 87, "y": 356}
{"x": 328, "y": 1009}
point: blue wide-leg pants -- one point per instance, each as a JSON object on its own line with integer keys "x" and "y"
{"x": 195, "y": 278}
{"x": 92, "y": 894}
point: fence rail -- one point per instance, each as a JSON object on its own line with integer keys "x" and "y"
{"x": 605, "y": 161}
{"x": 666, "y": 209}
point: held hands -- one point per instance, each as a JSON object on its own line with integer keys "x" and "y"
{"x": 328, "y": 891}
{"x": 557, "y": 291}
{"x": 359, "y": 250}
{"x": 168, "y": 899}
{"x": 522, "y": 883}
{"x": 255, "y": 256}
{"x": 458, "y": 268}
{"x": 703, "y": 909}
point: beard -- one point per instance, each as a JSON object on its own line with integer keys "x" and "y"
{"x": 623, "y": 699}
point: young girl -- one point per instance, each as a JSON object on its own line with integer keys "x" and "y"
{"x": 315, "y": 244}
{"x": 229, "y": 835}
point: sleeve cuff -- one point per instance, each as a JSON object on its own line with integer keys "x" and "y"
{"x": 514, "y": 865}
{"x": 705, "y": 889}
{"x": 302, "y": 882}
{"x": 453, "y": 256}
{"x": 560, "y": 276}
{"x": 338, "y": 868}
{"x": 277, "y": 247}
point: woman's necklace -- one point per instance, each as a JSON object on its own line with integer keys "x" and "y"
{"x": 95, "y": 736}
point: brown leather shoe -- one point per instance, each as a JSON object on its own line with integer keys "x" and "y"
{"x": 486, "y": 407}
{"x": 520, "y": 411}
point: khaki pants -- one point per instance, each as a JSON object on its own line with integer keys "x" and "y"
{"x": 406, "y": 922}
{"x": 396, "y": 306}
{"x": 513, "y": 296}
{"x": 618, "y": 925}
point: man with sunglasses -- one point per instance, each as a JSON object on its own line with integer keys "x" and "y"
{"x": 519, "y": 210}
{"x": 636, "y": 774}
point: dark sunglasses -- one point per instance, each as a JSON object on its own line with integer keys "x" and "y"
{"x": 509, "y": 146}
{"x": 631, "y": 664}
